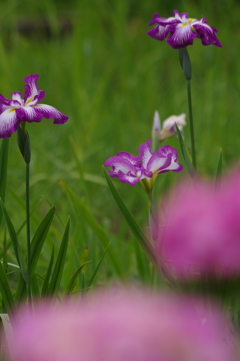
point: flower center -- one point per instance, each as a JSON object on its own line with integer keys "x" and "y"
{"x": 187, "y": 22}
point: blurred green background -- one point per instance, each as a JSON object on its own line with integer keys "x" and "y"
{"x": 98, "y": 66}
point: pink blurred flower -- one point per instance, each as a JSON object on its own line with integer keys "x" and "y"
{"x": 200, "y": 232}
{"x": 129, "y": 326}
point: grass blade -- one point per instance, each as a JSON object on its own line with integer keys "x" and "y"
{"x": 5, "y": 290}
{"x": 48, "y": 275}
{"x": 39, "y": 238}
{"x": 36, "y": 247}
{"x": 14, "y": 239}
{"x": 98, "y": 266}
{"x": 3, "y": 168}
{"x": 97, "y": 229}
{"x": 138, "y": 233}
{"x": 219, "y": 170}
{"x": 186, "y": 156}
{"x": 71, "y": 284}
{"x": 58, "y": 269}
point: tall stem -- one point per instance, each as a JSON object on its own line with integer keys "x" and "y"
{"x": 25, "y": 149}
{"x": 28, "y": 233}
{"x": 191, "y": 122}
{"x": 185, "y": 63}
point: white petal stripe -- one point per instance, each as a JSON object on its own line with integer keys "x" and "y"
{"x": 8, "y": 122}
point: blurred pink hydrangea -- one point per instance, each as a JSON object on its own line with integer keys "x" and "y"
{"x": 199, "y": 234}
{"x": 127, "y": 326}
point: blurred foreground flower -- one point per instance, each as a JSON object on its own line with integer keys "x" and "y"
{"x": 168, "y": 128}
{"x": 123, "y": 326}
{"x": 17, "y": 110}
{"x": 182, "y": 30}
{"x": 200, "y": 231}
{"x": 144, "y": 168}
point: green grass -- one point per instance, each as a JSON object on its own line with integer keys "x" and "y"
{"x": 110, "y": 77}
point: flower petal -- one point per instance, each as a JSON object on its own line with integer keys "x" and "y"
{"x": 17, "y": 98}
{"x": 9, "y": 123}
{"x": 182, "y": 36}
{"x": 4, "y": 103}
{"x": 47, "y": 111}
{"x": 156, "y": 128}
{"x": 31, "y": 90}
{"x": 158, "y": 162}
{"x": 131, "y": 158}
{"x": 172, "y": 154}
{"x": 158, "y": 33}
{"x": 145, "y": 153}
{"x": 120, "y": 164}
{"x": 28, "y": 114}
{"x": 156, "y": 19}
{"x": 128, "y": 178}
{"x": 206, "y": 33}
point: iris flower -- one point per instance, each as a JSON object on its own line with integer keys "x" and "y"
{"x": 182, "y": 30}
{"x": 145, "y": 168}
{"x": 17, "y": 110}
{"x": 168, "y": 129}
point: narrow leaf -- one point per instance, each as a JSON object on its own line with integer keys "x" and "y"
{"x": 3, "y": 170}
{"x": 36, "y": 247}
{"x": 98, "y": 230}
{"x": 186, "y": 156}
{"x": 97, "y": 268}
{"x": 71, "y": 284}
{"x": 219, "y": 170}
{"x": 39, "y": 238}
{"x": 14, "y": 239}
{"x": 5, "y": 290}
{"x": 138, "y": 233}
{"x": 58, "y": 269}
{"x": 34, "y": 287}
{"x": 48, "y": 274}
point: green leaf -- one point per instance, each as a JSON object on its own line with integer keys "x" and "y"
{"x": 138, "y": 233}
{"x": 98, "y": 266}
{"x": 48, "y": 274}
{"x": 5, "y": 291}
{"x": 185, "y": 63}
{"x": 36, "y": 247}
{"x": 14, "y": 239}
{"x": 97, "y": 229}
{"x": 186, "y": 156}
{"x": 58, "y": 269}
{"x": 3, "y": 170}
{"x": 39, "y": 238}
{"x": 34, "y": 287}
{"x": 24, "y": 144}
{"x": 71, "y": 284}
{"x": 141, "y": 263}
{"x": 219, "y": 170}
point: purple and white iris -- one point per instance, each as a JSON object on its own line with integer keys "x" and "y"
{"x": 17, "y": 110}
{"x": 182, "y": 30}
{"x": 144, "y": 168}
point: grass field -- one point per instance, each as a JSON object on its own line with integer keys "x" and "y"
{"x": 98, "y": 66}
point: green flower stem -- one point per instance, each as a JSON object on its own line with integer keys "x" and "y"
{"x": 185, "y": 63}
{"x": 153, "y": 215}
{"x": 28, "y": 233}
{"x": 191, "y": 123}
{"x": 25, "y": 149}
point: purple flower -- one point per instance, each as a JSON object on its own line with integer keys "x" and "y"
{"x": 182, "y": 30}
{"x": 124, "y": 326}
{"x": 130, "y": 169}
{"x": 200, "y": 231}
{"x": 17, "y": 110}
